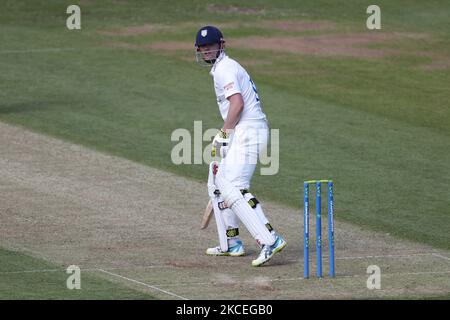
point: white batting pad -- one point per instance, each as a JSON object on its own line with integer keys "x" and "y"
{"x": 242, "y": 209}
{"x": 259, "y": 211}
{"x": 230, "y": 218}
{"x": 221, "y": 227}
{"x": 220, "y": 222}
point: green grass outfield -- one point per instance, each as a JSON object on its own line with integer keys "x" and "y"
{"x": 25, "y": 277}
{"x": 379, "y": 127}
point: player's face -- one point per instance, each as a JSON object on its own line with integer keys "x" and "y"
{"x": 209, "y": 51}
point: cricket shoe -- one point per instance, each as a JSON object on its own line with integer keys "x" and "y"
{"x": 268, "y": 252}
{"x": 236, "y": 250}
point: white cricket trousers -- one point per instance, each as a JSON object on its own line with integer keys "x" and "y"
{"x": 248, "y": 141}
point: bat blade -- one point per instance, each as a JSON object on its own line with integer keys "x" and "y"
{"x": 207, "y": 215}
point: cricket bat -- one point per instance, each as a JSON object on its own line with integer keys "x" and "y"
{"x": 207, "y": 215}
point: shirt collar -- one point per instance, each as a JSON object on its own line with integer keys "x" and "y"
{"x": 221, "y": 56}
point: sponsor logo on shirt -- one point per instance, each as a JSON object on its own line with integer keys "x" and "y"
{"x": 228, "y": 86}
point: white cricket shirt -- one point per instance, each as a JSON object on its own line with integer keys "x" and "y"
{"x": 231, "y": 78}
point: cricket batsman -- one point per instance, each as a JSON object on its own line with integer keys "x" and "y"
{"x": 239, "y": 143}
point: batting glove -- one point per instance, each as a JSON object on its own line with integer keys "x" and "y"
{"x": 220, "y": 144}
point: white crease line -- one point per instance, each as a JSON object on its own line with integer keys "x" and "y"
{"x": 325, "y": 278}
{"x": 144, "y": 284}
{"x": 416, "y": 273}
{"x": 372, "y": 257}
{"x": 441, "y": 256}
{"x": 293, "y": 260}
{"x": 385, "y": 256}
{"x": 397, "y": 274}
{"x": 240, "y": 281}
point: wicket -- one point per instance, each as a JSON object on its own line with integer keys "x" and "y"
{"x": 318, "y": 184}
